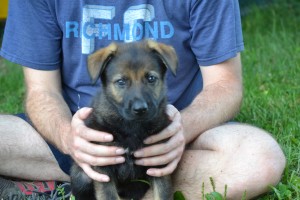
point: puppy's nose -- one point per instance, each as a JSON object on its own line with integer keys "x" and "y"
{"x": 139, "y": 107}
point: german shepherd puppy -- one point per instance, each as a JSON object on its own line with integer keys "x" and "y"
{"x": 131, "y": 106}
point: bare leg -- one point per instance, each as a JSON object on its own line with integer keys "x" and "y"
{"x": 24, "y": 153}
{"x": 240, "y": 156}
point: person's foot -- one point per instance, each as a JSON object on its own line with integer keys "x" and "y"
{"x": 11, "y": 190}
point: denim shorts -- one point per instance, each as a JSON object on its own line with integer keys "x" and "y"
{"x": 63, "y": 160}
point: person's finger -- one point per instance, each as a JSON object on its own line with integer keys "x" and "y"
{"x": 92, "y": 135}
{"x": 170, "y": 130}
{"x": 161, "y": 148}
{"x": 171, "y": 111}
{"x": 160, "y": 160}
{"x": 81, "y": 157}
{"x": 96, "y": 149}
{"x": 82, "y": 114}
{"x": 80, "y": 129}
{"x": 155, "y": 150}
{"x": 169, "y": 169}
{"x": 166, "y": 133}
{"x": 93, "y": 174}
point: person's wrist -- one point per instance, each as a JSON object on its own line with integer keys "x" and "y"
{"x": 64, "y": 141}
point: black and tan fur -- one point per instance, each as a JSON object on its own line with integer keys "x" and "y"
{"x": 131, "y": 106}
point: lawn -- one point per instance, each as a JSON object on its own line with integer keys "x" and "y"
{"x": 271, "y": 69}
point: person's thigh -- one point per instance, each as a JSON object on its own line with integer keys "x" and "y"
{"x": 243, "y": 157}
{"x": 24, "y": 153}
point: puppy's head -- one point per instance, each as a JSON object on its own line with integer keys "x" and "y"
{"x": 132, "y": 76}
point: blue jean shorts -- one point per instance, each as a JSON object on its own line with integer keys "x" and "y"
{"x": 63, "y": 160}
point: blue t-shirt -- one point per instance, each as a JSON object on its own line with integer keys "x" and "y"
{"x": 60, "y": 34}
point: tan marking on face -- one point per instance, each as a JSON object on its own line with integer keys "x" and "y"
{"x": 159, "y": 85}
{"x": 116, "y": 92}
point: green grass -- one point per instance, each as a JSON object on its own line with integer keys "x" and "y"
{"x": 271, "y": 69}
{"x": 11, "y": 87}
{"x": 271, "y": 80}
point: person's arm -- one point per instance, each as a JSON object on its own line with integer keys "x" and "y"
{"x": 46, "y": 107}
{"x": 219, "y": 102}
{"x": 52, "y": 118}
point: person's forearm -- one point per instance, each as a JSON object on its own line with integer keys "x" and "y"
{"x": 50, "y": 115}
{"x": 216, "y": 104}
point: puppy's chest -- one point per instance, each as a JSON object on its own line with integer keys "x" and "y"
{"x": 131, "y": 140}
{"x": 129, "y": 136}
{"x": 128, "y": 170}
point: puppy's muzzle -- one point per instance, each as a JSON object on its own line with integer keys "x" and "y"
{"x": 139, "y": 107}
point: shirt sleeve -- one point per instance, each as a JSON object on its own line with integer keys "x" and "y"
{"x": 32, "y": 36}
{"x": 216, "y": 31}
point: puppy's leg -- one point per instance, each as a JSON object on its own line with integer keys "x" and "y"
{"x": 162, "y": 188}
{"x": 106, "y": 191}
{"x": 82, "y": 185}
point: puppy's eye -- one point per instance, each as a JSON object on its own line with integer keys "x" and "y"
{"x": 121, "y": 82}
{"x": 151, "y": 79}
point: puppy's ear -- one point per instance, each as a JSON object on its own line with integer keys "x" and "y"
{"x": 98, "y": 60}
{"x": 166, "y": 53}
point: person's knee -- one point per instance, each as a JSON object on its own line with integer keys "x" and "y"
{"x": 251, "y": 158}
{"x": 265, "y": 169}
{"x": 265, "y": 160}
{"x": 271, "y": 160}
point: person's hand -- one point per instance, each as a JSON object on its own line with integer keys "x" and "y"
{"x": 87, "y": 154}
{"x": 168, "y": 153}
